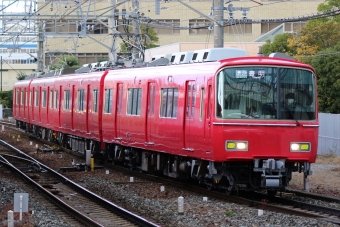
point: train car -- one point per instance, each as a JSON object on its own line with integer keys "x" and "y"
{"x": 238, "y": 123}
{"x": 21, "y": 103}
{"x": 78, "y": 123}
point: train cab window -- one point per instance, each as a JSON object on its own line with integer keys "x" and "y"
{"x": 81, "y": 99}
{"x": 67, "y": 97}
{"x": 134, "y": 101}
{"x": 51, "y": 99}
{"x": 265, "y": 92}
{"x": 95, "y": 101}
{"x": 43, "y": 98}
{"x": 56, "y": 99}
{"x": 169, "y": 102}
{"x": 108, "y": 101}
{"x": 36, "y": 98}
{"x": 22, "y": 98}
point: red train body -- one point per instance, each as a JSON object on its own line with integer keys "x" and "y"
{"x": 246, "y": 122}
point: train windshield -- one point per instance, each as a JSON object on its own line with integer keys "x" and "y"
{"x": 260, "y": 92}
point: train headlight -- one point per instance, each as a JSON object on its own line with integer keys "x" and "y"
{"x": 232, "y": 145}
{"x": 300, "y": 146}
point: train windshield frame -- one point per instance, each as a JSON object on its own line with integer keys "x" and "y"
{"x": 265, "y": 93}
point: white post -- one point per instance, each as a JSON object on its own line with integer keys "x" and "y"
{"x": 20, "y": 208}
{"x": 131, "y": 179}
{"x": 107, "y": 172}
{"x": 180, "y": 204}
{"x": 3, "y": 128}
{"x": 306, "y": 182}
{"x": 31, "y": 143}
{"x": 10, "y": 218}
{"x": 162, "y": 188}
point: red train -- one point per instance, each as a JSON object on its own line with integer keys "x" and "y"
{"x": 236, "y": 123}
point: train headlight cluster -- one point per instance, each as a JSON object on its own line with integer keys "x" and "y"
{"x": 300, "y": 146}
{"x": 232, "y": 145}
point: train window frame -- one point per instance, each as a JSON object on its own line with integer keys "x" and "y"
{"x": 56, "y": 92}
{"x": 202, "y": 103}
{"x": 134, "y": 103}
{"x": 170, "y": 101}
{"x": 36, "y": 98}
{"x": 81, "y": 97}
{"x": 31, "y": 98}
{"x": 26, "y": 100}
{"x": 95, "y": 100}
{"x": 22, "y": 98}
{"x": 67, "y": 97}
{"x": 43, "y": 99}
{"x": 108, "y": 101}
{"x": 51, "y": 99}
{"x": 17, "y": 97}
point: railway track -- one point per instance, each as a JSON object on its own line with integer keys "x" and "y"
{"x": 277, "y": 204}
{"x": 86, "y": 207}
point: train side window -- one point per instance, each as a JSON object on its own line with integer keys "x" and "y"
{"x": 31, "y": 98}
{"x": 108, "y": 101}
{"x": 67, "y": 99}
{"x": 43, "y": 98}
{"x": 26, "y": 97}
{"x": 202, "y": 103}
{"x": 56, "y": 99}
{"x": 36, "y": 98}
{"x": 134, "y": 101}
{"x": 81, "y": 95}
{"x": 22, "y": 98}
{"x": 17, "y": 97}
{"x": 169, "y": 102}
{"x": 95, "y": 101}
{"x": 51, "y": 99}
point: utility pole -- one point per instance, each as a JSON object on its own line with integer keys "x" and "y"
{"x": 135, "y": 31}
{"x": 40, "y": 54}
{"x": 113, "y": 21}
{"x": 218, "y": 11}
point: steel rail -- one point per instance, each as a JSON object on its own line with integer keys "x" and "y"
{"x": 140, "y": 221}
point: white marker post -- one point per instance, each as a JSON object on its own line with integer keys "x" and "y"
{"x": 10, "y": 218}
{"x": 180, "y": 205}
{"x": 20, "y": 208}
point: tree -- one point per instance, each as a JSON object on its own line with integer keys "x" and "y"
{"x": 6, "y": 98}
{"x": 65, "y": 61}
{"x": 327, "y": 66}
{"x": 314, "y": 38}
{"x": 279, "y": 44}
{"x": 21, "y": 75}
{"x": 149, "y": 39}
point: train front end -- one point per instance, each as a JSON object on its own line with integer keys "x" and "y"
{"x": 266, "y": 123}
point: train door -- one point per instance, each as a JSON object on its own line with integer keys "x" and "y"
{"x": 73, "y": 105}
{"x": 150, "y": 115}
{"x": 118, "y": 112}
{"x": 208, "y": 109}
{"x": 88, "y": 108}
{"x": 48, "y": 105}
{"x": 190, "y": 101}
{"x": 39, "y": 103}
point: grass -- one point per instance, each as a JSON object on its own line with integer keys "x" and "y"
{"x": 229, "y": 213}
{"x": 330, "y": 158}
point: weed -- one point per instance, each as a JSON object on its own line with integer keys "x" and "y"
{"x": 229, "y": 213}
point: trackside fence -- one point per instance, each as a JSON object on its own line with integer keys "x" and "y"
{"x": 329, "y": 134}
